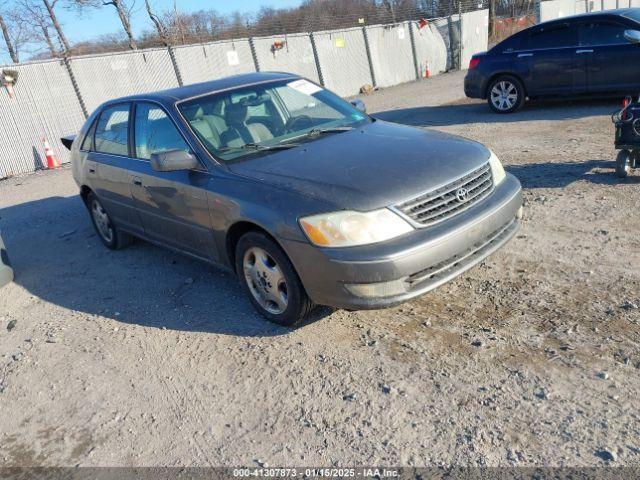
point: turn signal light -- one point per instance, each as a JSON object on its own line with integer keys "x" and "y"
{"x": 473, "y": 63}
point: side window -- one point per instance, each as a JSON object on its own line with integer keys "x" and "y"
{"x": 155, "y": 132}
{"x": 112, "y": 131}
{"x": 555, "y": 36}
{"x": 87, "y": 143}
{"x": 601, "y": 33}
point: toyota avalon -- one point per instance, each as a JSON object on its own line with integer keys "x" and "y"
{"x": 308, "y": 199}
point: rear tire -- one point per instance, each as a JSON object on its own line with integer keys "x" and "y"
{"x": 108, "y": 233}
{"x": 623, "y": 164}
{"x": 506, "y": 94}
{"x": 270, "y": 281}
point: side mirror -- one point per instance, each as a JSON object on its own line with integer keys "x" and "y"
{"x": 173, "y": 160}
{"x": 359, "y": 104}
{"x": 632, "y": 36}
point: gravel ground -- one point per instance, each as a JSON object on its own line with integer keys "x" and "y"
{"x": 143, "y": 357}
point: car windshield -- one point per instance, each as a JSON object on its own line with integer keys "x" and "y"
{"x": 633, "y": 14}
{"x": 272, "y": 116}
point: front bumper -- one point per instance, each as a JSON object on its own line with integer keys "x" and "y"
{"x": 389, "y": 273}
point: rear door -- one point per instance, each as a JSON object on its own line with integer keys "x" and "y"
{"x": 612, "y": 63}
{"x": 106, "y": 147}
{"x": 550, "y": 53}
{"x": 172, "y": 205}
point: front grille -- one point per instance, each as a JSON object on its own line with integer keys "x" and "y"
{"x": 446, "y": 201}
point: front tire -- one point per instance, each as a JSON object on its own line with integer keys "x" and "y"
{"x": 623, "y": 164}
{"x": 270, "y": 281}
{"x": 506, "y": 94}
{"x": 112, "y": 238}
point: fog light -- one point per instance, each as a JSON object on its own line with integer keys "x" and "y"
{"x": 519, "y": 213}
{"x": 377, "y": 290}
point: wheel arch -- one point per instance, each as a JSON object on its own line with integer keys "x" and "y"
{"x": 236, "y": 231}
{"x": 84, "y": 193}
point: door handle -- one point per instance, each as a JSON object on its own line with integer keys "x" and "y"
{"x": 586, "y": 50}
{"x": 137, "y": 181}
{"x": 92, "y": 170}
{"x": 520, "y": 55}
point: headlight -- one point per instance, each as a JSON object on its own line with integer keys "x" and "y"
{"x": 347, "y": 228}
{"x": 497, "y": 170}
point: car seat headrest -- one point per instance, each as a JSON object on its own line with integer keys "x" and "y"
{"x": 236, "y": 113}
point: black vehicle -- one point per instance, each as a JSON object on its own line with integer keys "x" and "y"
{"x": 593, "y": 53}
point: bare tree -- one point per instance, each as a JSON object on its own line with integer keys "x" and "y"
{"x": 37, "y": 17}
{"x": 8, "y": 40}
{"x": 50, "y": 5}
{"x": 16, "y": 30}
{"x": 125, "y": 18}
{"x": 157, "y": 22}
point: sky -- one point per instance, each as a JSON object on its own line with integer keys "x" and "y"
{"x": 93, "y": 23}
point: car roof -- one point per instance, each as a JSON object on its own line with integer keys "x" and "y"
{"x": 180, "y": 93}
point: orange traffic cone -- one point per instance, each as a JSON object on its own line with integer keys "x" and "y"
{"x": 427, "y": 74}
{"x": 52, "y": 161}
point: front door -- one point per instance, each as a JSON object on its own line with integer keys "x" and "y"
{"x": 172, "y": 205}
{"x": 612, "y": 63}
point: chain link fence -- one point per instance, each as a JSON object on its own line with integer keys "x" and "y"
{"x": 51, "y": 99}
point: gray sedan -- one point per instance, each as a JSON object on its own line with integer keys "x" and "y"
{"x": 304, "y": 196}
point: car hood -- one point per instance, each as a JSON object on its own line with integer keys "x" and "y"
{"x": 370, "y": 167}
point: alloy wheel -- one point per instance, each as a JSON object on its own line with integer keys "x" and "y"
{"x": 504, "y": 95}
{"x": 265, "y": 280}
{"x": 101, "y": 219}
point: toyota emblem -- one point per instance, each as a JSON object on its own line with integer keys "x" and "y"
{"x": 462, "y": 194}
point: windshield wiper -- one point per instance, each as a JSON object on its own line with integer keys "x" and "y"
{"x": 316, "y": 132}
{"x": 257, "y": 147}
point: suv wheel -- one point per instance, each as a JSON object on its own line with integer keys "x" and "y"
{"x": 623, "y": 163}
{"x": 106, "y": 230}
{"x": 270, "y": 281}
{"x": 505, "y": 94}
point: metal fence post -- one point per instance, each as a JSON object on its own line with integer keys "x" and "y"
{"x": 314, "y": 49}
{"x": 74, "y": 83}
{"x": 413, "y": 49}
{"x": 174, "y": 62}
{"x": 252, "y": 47}
{"x": 460, "y": 34}
{"x": 368, "y": 50}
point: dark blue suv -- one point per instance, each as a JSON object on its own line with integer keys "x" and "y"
{"x": 593, "y": 53}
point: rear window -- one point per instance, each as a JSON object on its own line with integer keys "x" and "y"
{"x": 509, "y": 45}
{"x": 112, "y": 132}
{"x": 552, "y": 36}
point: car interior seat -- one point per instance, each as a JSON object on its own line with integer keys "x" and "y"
{"x": 241, "y": 132}
{"x": 209, "y": 127}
